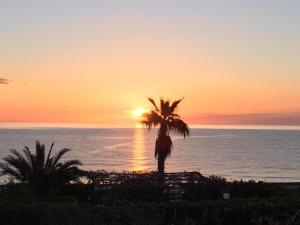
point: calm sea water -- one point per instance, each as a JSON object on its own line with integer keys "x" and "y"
{"x": 269, "y": 155}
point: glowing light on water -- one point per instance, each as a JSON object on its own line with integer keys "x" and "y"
{"x": 139, "y": 150}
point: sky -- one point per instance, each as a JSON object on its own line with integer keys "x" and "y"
{"x": 93, "y": 62}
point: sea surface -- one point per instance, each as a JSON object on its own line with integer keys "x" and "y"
{"x": 248, "y": 154}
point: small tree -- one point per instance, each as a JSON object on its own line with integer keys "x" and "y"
{"x": 44, "y": 174}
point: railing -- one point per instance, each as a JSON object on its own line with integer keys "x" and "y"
{"x": 105, "y": 177}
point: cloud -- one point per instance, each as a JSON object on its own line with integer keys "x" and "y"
{"x": 247, "y": 119}
{"x": 4, "y": 81}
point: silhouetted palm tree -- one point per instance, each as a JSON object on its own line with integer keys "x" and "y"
{"x": 42, "y": 173}
{"x": 166, "y": 119}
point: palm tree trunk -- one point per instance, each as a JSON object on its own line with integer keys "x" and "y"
{"x": 161, "y": 168}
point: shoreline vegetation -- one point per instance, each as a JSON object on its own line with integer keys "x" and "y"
{"x": 103, "y": 197}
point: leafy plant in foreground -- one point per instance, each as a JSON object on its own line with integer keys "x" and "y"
{"x": 43, "y": 173}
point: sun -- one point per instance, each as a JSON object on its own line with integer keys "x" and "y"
{"x": 138, "y": 112}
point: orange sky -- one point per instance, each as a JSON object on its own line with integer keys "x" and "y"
{"x": 82, "y": 65}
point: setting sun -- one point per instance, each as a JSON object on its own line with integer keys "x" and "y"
{"x": 138, "y": 112}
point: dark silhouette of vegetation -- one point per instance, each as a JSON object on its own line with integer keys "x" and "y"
{"x": 184, "y": 213}
{"x": 42, "y": 173}
{"x": 103, "y": 177}
{"x": 133, "y": 198}
{"x": 167, "y": 120}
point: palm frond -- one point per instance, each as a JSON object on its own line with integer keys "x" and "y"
{"x": 58, "y": 156}
{"x": 151, "y": 119}
{"x": 30, "y": 157}
{"x": 15, "y": 166}
{"x": 179, "y": 126}
{"x": 7, "y": 170}
{"x": 16, "y": 154}
{"x": 69, "y": 163}
{"x": 48, "y": 160}
{"x": 164, "y": 107}
{"x": 175, "y": 104}
{"x": 16, "y": 160}
{"x": 40, "y": 155}
{"x": 153, "y": 103}
{"x": 49, "y": 153}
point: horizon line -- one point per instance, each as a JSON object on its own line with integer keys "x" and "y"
{"x": 28, "y": 125}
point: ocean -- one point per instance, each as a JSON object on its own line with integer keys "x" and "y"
{"x": 248, "y": 154}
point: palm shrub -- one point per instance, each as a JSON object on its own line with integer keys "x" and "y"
{"x": 42, "y": 173}
{"x": 167, "y": 120}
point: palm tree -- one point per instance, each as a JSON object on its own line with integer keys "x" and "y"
{"x": 166, "y": 119}
{"x": 42, "y": 173}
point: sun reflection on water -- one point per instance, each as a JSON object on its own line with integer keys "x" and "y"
{"x": 139, "y": 150}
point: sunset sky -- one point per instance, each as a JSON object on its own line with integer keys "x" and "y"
{"x": 93, "y": 62}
